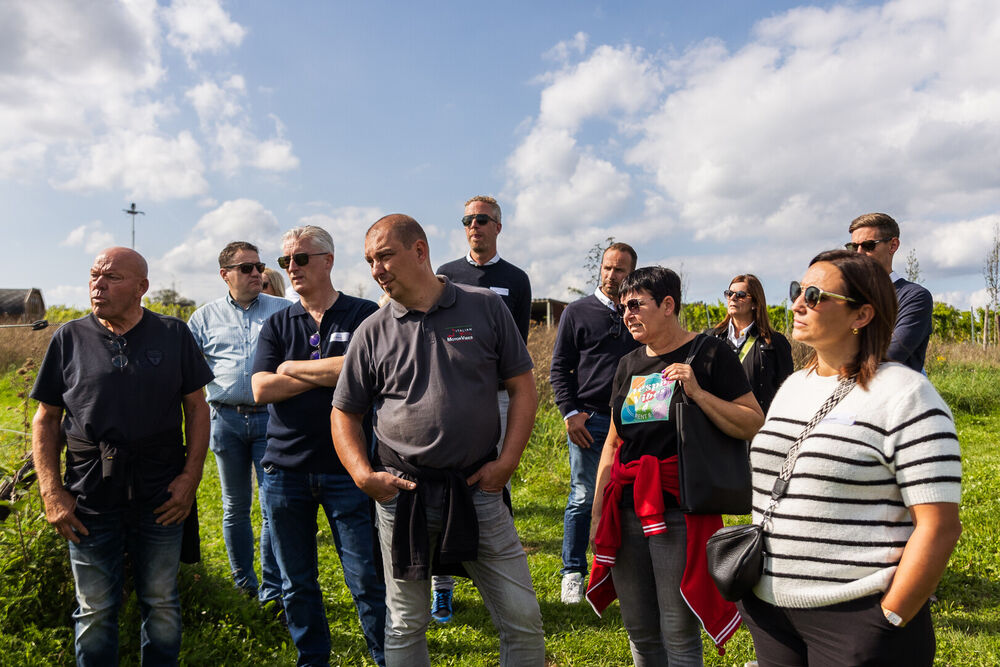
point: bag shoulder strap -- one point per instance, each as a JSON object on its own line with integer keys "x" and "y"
{"x": 781, "y": 483}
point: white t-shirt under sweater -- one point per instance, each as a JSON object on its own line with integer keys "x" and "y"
{"x": 839, "y": 532}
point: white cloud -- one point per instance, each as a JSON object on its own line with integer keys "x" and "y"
{"x": 192, "y": 266}
{"x": 74, "y": 296}
{"x": 200, "y": 26}
{"x": 91, "y": 236}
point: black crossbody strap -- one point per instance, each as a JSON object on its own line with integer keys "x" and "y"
{"x": 844, "y": 387}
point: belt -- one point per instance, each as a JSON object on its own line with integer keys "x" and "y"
{"x": 242, "y": 409}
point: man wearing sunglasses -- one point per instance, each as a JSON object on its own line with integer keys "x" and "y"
{"x": 877, "y": 235}
{"x": 298, "y": 362}
{"x": 590, "y": 341}
{"x": 430, "y": 362}
{"x": 483, "y": 267}
{"x": 226, "y": 330}
{"x": 126, "y": 385}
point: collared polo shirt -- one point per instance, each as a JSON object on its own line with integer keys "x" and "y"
{"x": 227, "y": 335}
{"x": 298, "y": 428}
{"x": 499, "y": 275}
{"x": 432, "y": 376}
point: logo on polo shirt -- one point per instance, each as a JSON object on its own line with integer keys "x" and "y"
{"x": 458, "y": 334}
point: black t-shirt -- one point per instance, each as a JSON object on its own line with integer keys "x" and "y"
{"x": 298, "y": 430}
{"x": 130, "y": 406}
{"x": 643, "y": 405}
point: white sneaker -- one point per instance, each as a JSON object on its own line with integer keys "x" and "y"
{"x": 572, "y": 588}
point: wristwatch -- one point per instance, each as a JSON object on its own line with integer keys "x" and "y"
{"x": 893, "y": 617}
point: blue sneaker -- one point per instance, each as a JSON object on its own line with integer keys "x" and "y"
{"x": 441, "y": 606}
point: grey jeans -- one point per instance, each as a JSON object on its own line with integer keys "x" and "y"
{"x": 501, "y": 575}
{"x": 662, "y": 629}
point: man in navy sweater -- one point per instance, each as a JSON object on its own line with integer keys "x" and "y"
{"x": 482, "y": 267}
{"x": 877, "y": 235}
{"x": 590, "y": 341}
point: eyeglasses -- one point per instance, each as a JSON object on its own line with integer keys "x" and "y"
{"x": 867, "y": 246}
{"x": 631, "y": 306}
{"x": 616, "y": 325}
{"x": 478, "y": 218}
{"x": 314, "y": 341}
{"x": 301, "y": 258}
{"x": 247, "y": 267}
{"x": 729, "y": 294}
{"x": 812, "y": 295}
{"x": 265, "y": 285}
{"x": 119, "y": 350}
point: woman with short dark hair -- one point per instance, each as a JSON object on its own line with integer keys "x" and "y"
{"x": 765, "y": 354}
{"x": 646, "y": 551}
{"x": 859, "y": 540}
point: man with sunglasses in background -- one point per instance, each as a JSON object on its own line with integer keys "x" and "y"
{"x": 877, "y": 235}
{"x": 298, "y": 363}
{"x": 590, "y": 341}
{"x": 483, "y": 267}
{"x": 226, "y": 330}
{"x": 126, "y": 385}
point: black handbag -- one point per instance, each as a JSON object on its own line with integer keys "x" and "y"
{"x": 736, "y": 553}
{"x": 713, "y": 468}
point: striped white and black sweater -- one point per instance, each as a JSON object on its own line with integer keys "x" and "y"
{"x": 839, "y": 532}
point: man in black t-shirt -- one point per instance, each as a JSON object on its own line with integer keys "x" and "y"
{"x": 117, "y": 381}
{"x": 483, "y": 267}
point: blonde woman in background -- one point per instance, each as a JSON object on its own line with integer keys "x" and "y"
{"x": 274, "y": 284}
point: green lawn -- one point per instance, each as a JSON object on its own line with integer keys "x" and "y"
{"x": 221, "y": 627}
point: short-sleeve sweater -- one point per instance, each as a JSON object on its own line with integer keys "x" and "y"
{"x": 839, "y": 532}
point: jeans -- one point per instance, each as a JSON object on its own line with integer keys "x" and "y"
{"x": 662, "y": 629}
{"x": 292, "y": 500}
{"x": 445, "y": 582}
{"x": 98, "y": 563}
{"x": 583, "y": 476}
{"x": 238, "y": 443}
{"x": 500, "y": 573}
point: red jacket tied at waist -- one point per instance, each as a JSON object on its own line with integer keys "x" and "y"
{"x": 649, "y": 478}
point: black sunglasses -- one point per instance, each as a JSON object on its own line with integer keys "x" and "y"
{"x": 478, "y": 218}
{"x": 301, "y": 258}
{"x": 119, "y": 352}
{"x": 615, "y": 330}
{"x": 740, "y": 294}
{"x": 867, "y": 246}
{"x": 812, "y": 295}
{"x": 247, "y": 267}
{"x": 632, "y": 306}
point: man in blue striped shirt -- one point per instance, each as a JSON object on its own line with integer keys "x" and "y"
{"x": 226, "y": 331}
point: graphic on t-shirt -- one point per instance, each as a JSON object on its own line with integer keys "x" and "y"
{"x": 457, "y": 334}
{"x": 648, "y": 399}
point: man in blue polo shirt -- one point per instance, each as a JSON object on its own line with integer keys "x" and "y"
{"x": 299, "y": 357}
{"x": 226, "y": 330}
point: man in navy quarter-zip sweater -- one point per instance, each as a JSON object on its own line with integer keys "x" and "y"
{"x": 590, "y": 341}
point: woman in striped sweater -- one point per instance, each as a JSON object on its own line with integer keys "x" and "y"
{"x": 857, "y": 545}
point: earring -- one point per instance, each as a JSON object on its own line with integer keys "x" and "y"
{"x": 854, "y": 331}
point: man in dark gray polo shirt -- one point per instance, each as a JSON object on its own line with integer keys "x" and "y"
{"x": 429, "y": 363}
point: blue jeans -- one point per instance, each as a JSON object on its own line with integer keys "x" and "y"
{"x": 662, "y": 629}
{"x": 583, "y": 477}
{"x": 500, "y": 573}
{"x": 292, "y": 500}
{"x": 98, "y": 570}
{"x": 238, "y": 443}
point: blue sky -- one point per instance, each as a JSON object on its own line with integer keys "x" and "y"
{"x": 717, "y": 138}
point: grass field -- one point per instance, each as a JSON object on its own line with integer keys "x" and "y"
{"x": 222, "y": 627}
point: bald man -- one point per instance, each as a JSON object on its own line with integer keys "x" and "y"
{"x": 126, "y": 384}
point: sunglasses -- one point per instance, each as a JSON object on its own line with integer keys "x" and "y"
{"x": 478, "y": 218}
{"x": 265, "y": 285}
{"x": 314, "y": 341}
{"x": 740, "y": 295}
{"x": 631, "y": 306}
{"x": 812, "y": 295}
{"x": 867, "y": 246}
{"x": 247, "y": 267}
{"x": 615, "y": 330}
{"x": 119, "y": 352}
{"x": 301, "y": 258}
